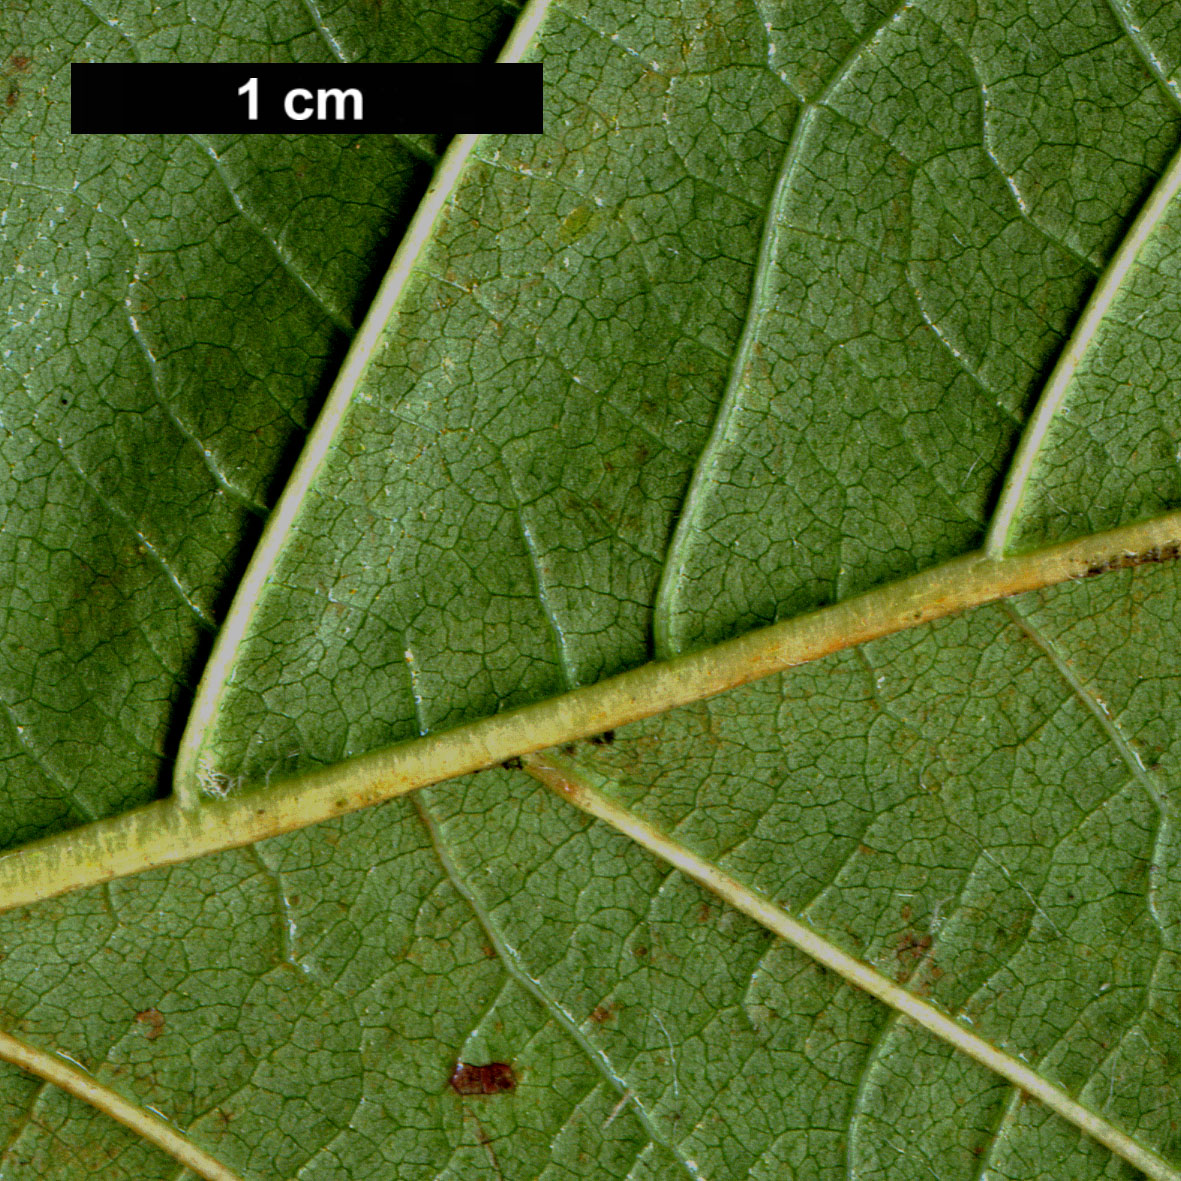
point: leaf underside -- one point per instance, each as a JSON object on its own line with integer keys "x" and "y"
{"x": 753, "y": 327}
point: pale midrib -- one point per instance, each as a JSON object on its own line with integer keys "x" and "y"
{"x": 1056, "y": 387}
{"x": 168, "y": 832}
{"x": 218, "y": 670}
{"x": 144, "y": 1123}
{"x": 570, "y": 782}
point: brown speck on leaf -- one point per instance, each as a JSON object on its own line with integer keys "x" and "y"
{"x": 905, "y": 912}
{"x": 910, "y": 948}
{"x": 485, "y": 1141}
{"x": 1125, "y": 561}
{"x": 640, "y": 952}
{"x": 19, "y": 63}
{"x": 492, "y": 1078}
{"x": 513, "y": 764}
{"x": 154, "y": 1020}
{"x": 604, "y": 739}
{"x": 601, "y": 1014}
{"x": 704, "y": 912}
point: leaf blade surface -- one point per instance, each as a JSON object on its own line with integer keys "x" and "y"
{"x": 701, "y": 1024}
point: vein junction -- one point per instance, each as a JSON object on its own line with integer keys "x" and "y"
{"x": 171, "y": 831}
{"x": 572, "y": 784}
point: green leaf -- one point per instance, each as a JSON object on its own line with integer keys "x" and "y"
{"x": 754, "y": 329}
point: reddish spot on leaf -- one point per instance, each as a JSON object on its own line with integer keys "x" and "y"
{"x": 909, "y": 948}
{"x": 154, "y": 1020}
{"x": 602, "y": 1013}
{"x": 492, "y": 1078}
{"x": 18, "y": 62}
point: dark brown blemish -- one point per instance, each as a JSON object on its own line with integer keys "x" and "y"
{"x": 604, "y": 739}
{"x": 19, "y": 63}
{"x": 513, "y": 764}
{"x": 601, "y": 1014}
{"x": 1126, "y": 561}
{"x": 493, "y": 1078}
{"x": 154, "y": 1020}
{"x": 909, "y": 949}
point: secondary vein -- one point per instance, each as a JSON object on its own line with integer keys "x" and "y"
{"x": 1054, "y": 393}
{"x": 171, "y": 831}
{"x": 515, "y": 971}
{"x": 567, "y": 780}
{"x": 78, "y": 1083}
{"x": 664, "y": 606}
{"x": 219, "y": 669}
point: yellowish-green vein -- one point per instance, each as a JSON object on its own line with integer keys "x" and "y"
{"x": 167, "y": 832}
{"x": 218, "y": 670}
{"x": 150, "y": 1127}
{"x": 1052, "y": 396}
{"x": 568, "y": 780}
